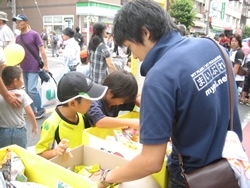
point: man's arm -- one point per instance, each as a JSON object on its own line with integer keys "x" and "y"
{"x": 44, "y": 57}
{"x": 133, "y": 169}
{"x": 9, "y": 97}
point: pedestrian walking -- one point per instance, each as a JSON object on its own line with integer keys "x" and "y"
{"x": 54, "y": 40}
{"x": 71, "y": 51}
{"x": 30, "y": 66}
{"x": 79, "y": 37}
{"x": 45, "y": 38}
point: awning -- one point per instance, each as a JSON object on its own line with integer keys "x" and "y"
{"x": 96, "y": 9}
{"x": 227, "y": 28}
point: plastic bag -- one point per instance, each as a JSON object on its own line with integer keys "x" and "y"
{"x": 48, "y": 93}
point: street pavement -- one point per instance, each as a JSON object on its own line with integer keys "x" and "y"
{"x": 55, "y": 64}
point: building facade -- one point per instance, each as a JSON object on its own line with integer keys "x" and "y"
{"x": 55, "y": 15}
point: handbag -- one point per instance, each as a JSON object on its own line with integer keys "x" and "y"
{"x": 43, "y": 76}
{"x": 217, "y": 174}
{"x": 243, "y": 70}
{"x": 39, "y": 60}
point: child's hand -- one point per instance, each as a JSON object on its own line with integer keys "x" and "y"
{"x": 61, "y": 148}
{"x": 135, "y": 124}
{"x": 35, "y": 131}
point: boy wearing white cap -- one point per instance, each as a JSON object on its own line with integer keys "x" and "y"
{"x": 75, "y": 92}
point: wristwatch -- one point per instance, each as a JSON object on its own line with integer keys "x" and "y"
{"x": 103, "y": 179}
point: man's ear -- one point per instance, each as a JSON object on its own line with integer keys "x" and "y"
{"x": 146, "y": 33}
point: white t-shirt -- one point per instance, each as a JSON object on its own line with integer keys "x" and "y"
{"x": 6, "y": 35}
{"x": 83, "y": 69}
{"x": 2, "y": 55}
{"x": 10, "y": 117}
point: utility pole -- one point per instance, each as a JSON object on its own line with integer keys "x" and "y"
{"x": 13, "y": 14}
{"x": 12, "y": 5}
{"x": 207, "y": 18}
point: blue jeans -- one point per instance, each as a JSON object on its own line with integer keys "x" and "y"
{"x": 9, "y": 136}
{"x": 30, "y": 81}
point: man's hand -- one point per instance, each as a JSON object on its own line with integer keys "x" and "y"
{"x": 100, "y": 185}
{"x": 46, "y": 69}
{"x": 13, "y": 100}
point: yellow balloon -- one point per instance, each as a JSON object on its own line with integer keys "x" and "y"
{"x": 14, "y": 54}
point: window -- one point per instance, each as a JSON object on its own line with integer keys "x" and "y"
{"x": 57, "y": 19}
{"x": 227, "y": 18}
{"x": 47, "y": 19}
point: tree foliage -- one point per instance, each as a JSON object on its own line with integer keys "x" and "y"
{"x": 246, "y": 32}
{"x": 183, "y": 12}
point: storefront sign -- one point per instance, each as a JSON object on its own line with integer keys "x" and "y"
{"x": 91, "y": 19}
{"x": 222, "y": 13}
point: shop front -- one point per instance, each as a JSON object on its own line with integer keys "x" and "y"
{"x": 91, "y": 12}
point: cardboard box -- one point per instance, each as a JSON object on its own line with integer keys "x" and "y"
{"x": 84, "y": 155}
{"x": 42, "y": 171}
{"x": 96, "y": 138}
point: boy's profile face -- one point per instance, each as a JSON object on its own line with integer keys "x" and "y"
{"x": 18, "y": 82}
{"x": 113, "y": 101}
{"x": 82, "y": 106}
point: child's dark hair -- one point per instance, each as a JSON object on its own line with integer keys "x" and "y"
{"x": 10, "y": 73}
{"x": 122, "y": 84}
{"x": 84, "y": 60}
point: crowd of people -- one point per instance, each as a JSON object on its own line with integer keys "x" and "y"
{"x": 72, "y": 111}
{"x": 93, "y": 89}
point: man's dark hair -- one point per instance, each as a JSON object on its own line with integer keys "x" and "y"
{"x": 10, "y": 73}
{"x": 77, "y": 29}
{"x": 122, "y": 84}
{"x": 78, "y": 37}
{"x": 222, "y": 35}
{"x": 238, "y": 38}
{"x": 135, "y": 16}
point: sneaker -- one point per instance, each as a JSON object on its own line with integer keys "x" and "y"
{"x": 242, "y": 101}
{"x": 40, "y": 114}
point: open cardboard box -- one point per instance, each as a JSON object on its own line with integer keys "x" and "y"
{"x": 85, "y": 155}
{"x": 96, "y": 137}
{"x": 42, "y": 171}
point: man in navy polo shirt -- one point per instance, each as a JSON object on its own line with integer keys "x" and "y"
{"x": 184, "y": 96}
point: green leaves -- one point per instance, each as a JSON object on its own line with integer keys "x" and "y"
{"x": 246, "y": 32}
{"x": 183, "y": 12}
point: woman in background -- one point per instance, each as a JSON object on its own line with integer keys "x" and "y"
{"x": 99, "y": 55}
{"x": 71, "y": 51}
